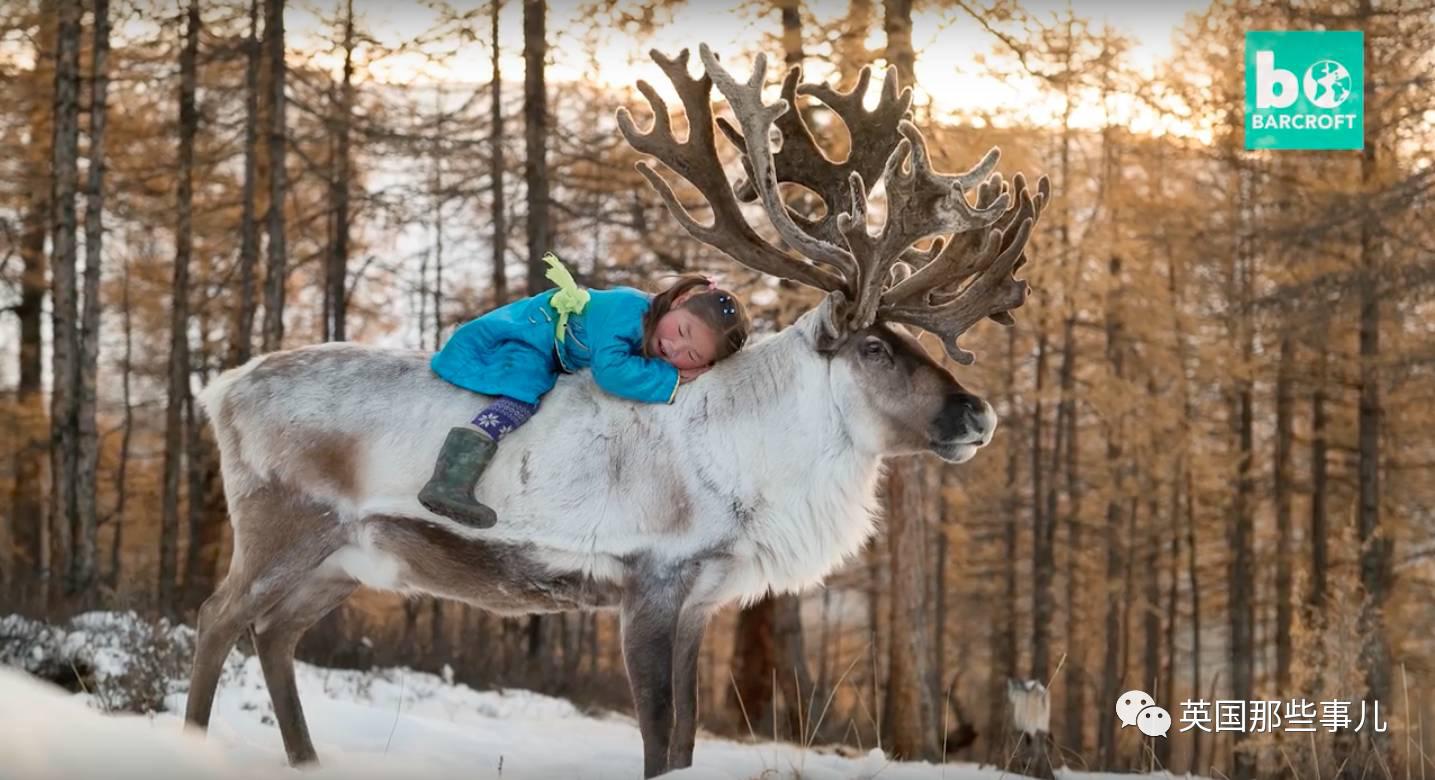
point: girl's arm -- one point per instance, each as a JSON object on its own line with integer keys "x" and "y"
{"x": 620, "y": 372}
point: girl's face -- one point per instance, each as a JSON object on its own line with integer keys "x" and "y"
{"x": 683, "y": 340}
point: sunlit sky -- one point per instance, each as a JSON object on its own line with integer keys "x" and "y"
{"x": 946, "y": 42}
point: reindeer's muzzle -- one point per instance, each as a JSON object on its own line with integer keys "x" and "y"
{"x": 964, "y": 425}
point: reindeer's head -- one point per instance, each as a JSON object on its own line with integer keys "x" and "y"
{"x": 875, "y": 283}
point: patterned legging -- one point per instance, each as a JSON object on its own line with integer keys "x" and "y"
{"x": 499, "y": 418}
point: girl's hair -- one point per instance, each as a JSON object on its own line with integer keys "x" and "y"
{"x": 715, "y": 307}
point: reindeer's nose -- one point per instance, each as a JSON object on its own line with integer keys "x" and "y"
{"x": 965, "y": 419}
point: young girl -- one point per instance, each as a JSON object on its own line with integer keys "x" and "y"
{"x": 640, "y": 347}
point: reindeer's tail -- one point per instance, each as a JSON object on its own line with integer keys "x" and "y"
{"x": 216, "y": 399}
{"x": 211, "y": 398}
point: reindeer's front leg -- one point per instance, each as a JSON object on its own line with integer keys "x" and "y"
{"x": 688, "y": 643}
{"x": 649, "y": 627}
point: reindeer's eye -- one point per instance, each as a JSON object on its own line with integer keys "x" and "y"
{"x": 876, "y": 349}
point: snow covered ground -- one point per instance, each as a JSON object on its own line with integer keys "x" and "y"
{"x": 393, "y": 723}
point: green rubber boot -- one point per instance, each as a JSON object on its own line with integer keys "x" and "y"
{"x": 449, "y": 492}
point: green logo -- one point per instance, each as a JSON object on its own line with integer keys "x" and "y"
{"x": 1305, "y": 90}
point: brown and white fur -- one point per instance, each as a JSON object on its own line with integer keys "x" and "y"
{"x": 760, "y": 476}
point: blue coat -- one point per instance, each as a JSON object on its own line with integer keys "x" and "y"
{"x": 513, "y": 351}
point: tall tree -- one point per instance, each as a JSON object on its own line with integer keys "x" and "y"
{"x": 1375, "y": 547}
{"x": 65, "y": 351}
{"x": 27, "y": 507}
{"x": 1115, "y": 441}
{"x": 178, "y": 396}
{"x": 910, "y": 710}
{"x": 85, "y": 566}
{"x": 1285, "y": 539}
{"x": 337, "y": 271}
{"x": 1319, "y": 482}
{"x": 241, "y": 345}
{"x": 277, "y": 271}
{"x": 535, "y": 120}
{"x": 1241, "y": 611}
{"x": 535, "y": 176}
{"x": 850, "y": 49}
{"x": 496, "y": 164}
{"x": 791, "y": 11}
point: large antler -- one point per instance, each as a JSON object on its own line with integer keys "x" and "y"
{"x": 965, "y": 275}
{"x": 970, "y": 278}
{"x": 696, "y": 160}
{"x": 873, "y": 135}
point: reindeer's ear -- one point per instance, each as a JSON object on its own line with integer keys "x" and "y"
{"x": 831, "y": 317}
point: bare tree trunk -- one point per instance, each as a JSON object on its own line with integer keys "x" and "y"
{"x": 1043, "y": 542}
{"x": 440, "y": 198}
{"x": 1077, "y": 679}
{"x": 1151, "y": 672}
{"x": 65, "y": 359}
{"x": 1110, "y": 681}
{"x": 206, "y": 509}
{"x": 793, "y": 676}
{"x": 174, "y": 430}
{"x": 1005, "y": 653}
{"x": 851, "y": 52}
{"x": 27, "y": 504}
{"x": 1241, "y": 610}
{"x": 84, "y": 568}
{"x": 910, "y": 711}
{"x": 754, "y": 661}
{"x": 338, "y": 265}
{"x": 897, "y": 23}
{"x": 1375, "y": 548}
{"x": 277, "y": 272}
{"x": 438, "y": 634}
{"x": 117, "y": 517}
{"x": 1285, "y": 541}
{"x": 1172, "y": 570}
{"x": 535, "y": 116}
{"x": 242, "y": 341}
{"x": 206, "y": 514}
{"x": 791, "y": 32}
{"x": 496, "y": 175}
{"x": 941, "y": 551}
{"x": 1319, "y": 484}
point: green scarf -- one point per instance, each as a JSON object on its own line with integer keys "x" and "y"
{"x": 570, "y": 298}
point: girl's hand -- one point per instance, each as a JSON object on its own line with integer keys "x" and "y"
{"x": 686, "y": 375}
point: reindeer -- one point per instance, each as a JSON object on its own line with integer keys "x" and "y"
{"x": 760, "y": 477}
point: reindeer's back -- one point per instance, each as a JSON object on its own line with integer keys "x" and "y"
{"x": 359, "y": 427}
{"x": 312, "y": 416}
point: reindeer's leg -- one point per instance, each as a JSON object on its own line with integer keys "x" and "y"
{"x": 688, "y": 643}
{"x": 276, "y": 634}
{"x": 222, "y": 618}
{"x": 280, "y": 537}
{"x": 649, "y": 629}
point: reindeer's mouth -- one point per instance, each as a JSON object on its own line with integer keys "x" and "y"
{"x": 955, "y": 452}
{"x": 962, "y": 449}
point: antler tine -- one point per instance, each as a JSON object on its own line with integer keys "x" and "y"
{"x": 920, "y": 203}
{"x": 801, "y": 161}
{"x": 755, "y": 117}
{"x": 697, "y": 161}
{"x": 991, "y": 293}
{"x": 966, "y": 254}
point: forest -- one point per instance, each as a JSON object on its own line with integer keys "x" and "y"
{"x": 1214, "y": 473}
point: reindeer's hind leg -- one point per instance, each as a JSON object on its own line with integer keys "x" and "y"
{"x": 267, "y": 566}
{"x": 222, "y": 618}
{"x": 276, "y": 634}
